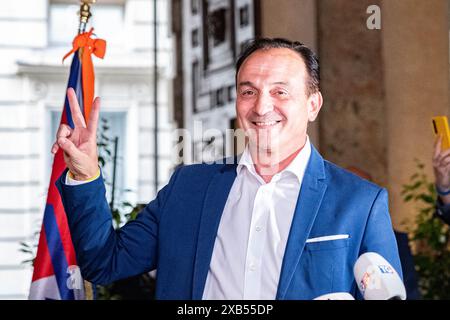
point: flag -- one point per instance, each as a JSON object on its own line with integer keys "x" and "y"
{"x": 56, "y": 274}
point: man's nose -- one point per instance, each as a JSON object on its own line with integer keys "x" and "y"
{"x": 263, "y": 105}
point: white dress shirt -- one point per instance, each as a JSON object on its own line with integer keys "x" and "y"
{"x": 253, "y": 231}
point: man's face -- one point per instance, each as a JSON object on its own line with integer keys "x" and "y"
{"x": 272, "y": 105}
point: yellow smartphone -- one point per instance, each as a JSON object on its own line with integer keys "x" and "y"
{"x": 440, "y": 126}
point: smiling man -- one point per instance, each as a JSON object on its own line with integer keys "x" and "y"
{"x": 276, "y": 97}
{"x": 281, "y": 223}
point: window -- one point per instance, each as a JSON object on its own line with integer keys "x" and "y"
{"x": 63, "y": 23}
{"x": 115, "y": 121}
{"x": 107, "y": 20}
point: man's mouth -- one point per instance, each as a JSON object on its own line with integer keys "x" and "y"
{"x": 265, "y": 124}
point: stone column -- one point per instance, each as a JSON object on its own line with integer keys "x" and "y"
{"x": 353, "y": 118}
{"x": 416, "y": 63}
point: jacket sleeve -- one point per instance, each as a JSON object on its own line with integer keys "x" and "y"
{"x": 104, "y": 254}
{"x": 379, "y": 234}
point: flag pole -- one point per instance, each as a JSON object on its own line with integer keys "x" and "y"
{"x": 85, "y": 14}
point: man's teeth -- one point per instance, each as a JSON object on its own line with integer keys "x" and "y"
{"x": 264, "y": 124}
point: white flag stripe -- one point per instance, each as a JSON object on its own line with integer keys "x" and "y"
{"x": 44, "y": 288}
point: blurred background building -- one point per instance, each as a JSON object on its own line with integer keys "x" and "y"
{"x": 381, "y": 87}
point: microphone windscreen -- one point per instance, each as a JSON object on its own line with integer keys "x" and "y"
{"x": 335, "y": 296}
{"x": 377, "y": 279}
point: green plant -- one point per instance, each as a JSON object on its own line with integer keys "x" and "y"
{"x": 29, "y": 247}
{"x": 430, "y": 237}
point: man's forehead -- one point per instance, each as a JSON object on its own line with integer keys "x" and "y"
{"x": 275, "y": 60}
{"x": 276, "y": 53}
{"x": 257, "y": 81}
{"x": 266, "y": 67}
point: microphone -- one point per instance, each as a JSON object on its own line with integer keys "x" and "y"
{"x": 335, "y": 296}
{"x": 377, "y": 279}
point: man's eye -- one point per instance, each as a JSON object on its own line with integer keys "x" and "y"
{"x": 248, "y": 93}
{"x": 281, "y": 93}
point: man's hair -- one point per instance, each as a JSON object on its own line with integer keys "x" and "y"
{"x": 309, "y": 58}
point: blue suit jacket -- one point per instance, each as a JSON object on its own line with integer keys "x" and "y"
{"x": 175, "y": 233}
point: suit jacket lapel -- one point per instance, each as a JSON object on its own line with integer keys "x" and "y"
{"x": 215, "y": 199}
{"x": 308, "y": 203}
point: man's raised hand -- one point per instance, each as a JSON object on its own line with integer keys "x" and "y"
{"x": 80, "y": 143}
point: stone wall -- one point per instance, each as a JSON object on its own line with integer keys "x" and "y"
{"x": 416, "y": 59}
{"x": 353, "y": 117}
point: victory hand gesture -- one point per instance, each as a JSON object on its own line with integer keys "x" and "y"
{"x": 80, "y": 143}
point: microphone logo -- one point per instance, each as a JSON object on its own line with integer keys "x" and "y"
{"x": 386, "y": 269}
{"x": 369, "y": 279}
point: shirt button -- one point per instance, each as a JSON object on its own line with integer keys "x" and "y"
{"x": 252, "y": 267}
{"x": 258, "y": 228}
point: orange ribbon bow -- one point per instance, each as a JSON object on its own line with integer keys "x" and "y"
{"x": 87, "y": 46}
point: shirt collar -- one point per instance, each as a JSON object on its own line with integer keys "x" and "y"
{"x": 297, "y": 167}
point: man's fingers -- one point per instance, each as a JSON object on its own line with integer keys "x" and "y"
{"x": 64, "y": 131}
{"x": 55, "y": 148}
{"x": 93, "y": 118}
{"x": 68, "y": 147}
{"x": 442, "y": 155}
{"x": 442, "y": 163}
{"x": 445, "y": 161}
{"x": 75, "y": 110}
{"x": 437, "y": 146}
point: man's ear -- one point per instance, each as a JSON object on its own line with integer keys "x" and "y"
{"x": 314, "y": 103}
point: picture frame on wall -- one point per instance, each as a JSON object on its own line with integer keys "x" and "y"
{"x": 219, "y": 34}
